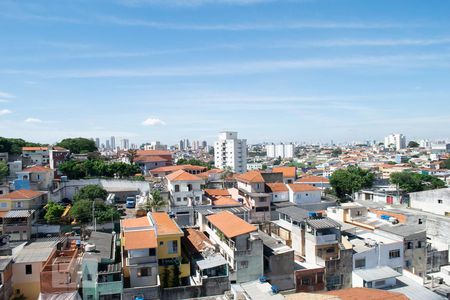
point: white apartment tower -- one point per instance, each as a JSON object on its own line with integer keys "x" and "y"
{"x": 396, "y": 139}
{"x": 280, "y": 150}
{"x": 231, "y": 152}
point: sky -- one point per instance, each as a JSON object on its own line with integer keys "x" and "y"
{"x": 279, "y": 71}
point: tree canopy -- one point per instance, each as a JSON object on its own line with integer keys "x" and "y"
{"x": 413, "y": 144}
{"x": 336, "y": 152}
{"x": 14, "y": 146}
{"x": 97, "y": 168}
{"x": 53, "y": 212}
{"x": 3, "y": 170}
{"x": 78, "y": 145}
{"x": 349, "y": 180}
{"x": 446, "y": 164}
{"x": 154, "y": 202}
{"x": 414, "y": 182}
{"x": 194, "y": 162}
{"x": 82, "y": 211}
{"x": 91, "y": 192}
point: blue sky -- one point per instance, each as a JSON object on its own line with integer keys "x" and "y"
{"x": 305, "y": 70}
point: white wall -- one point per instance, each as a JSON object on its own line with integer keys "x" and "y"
{"x": 304, "y": 197}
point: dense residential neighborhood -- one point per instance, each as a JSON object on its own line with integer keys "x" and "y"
{"x": 344, "y": 219}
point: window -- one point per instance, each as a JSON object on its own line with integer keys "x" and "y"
{"x": 409, "y": 245}
{"x": 28, "y": 269}
{"x": 244, "y": 264}
{"x": 185, "y": 199}
{"x": 305, "y": 281}
{"x": 408, "y": 264}
{"x": 161, "y": 243}
{"x": 189, "y": 187}
{"x": 360, "y": 263}
{"x": 419, "y": 244}
{"x": 394, "y": 253}
{"x": 89, "y": 277}
{"x": 3, "y": 204}
{"x": 420, "y": 221}
{"x": 440, "y": 201}
{"x": 197, "y": 198}
{"x": 19, "y": 204}
{"x": 173, "y": 247}
{"x": 330, "y": 250}
{"x": 151, "y": 252}
{"x": 177, "y": 188}
{"x": 380, "y": 283}
{"x": 144, "y": 272}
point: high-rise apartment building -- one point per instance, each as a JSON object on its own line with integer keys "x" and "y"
{"x": 398, "y": 141}
{"x": 125, "y": 144}
{"x": 280, "y": 150}
{"x": 230, "y": 152}
{"x": 181, "y": 145}
{"x": 97, "y": 143}
{"x": 113, "y": 143}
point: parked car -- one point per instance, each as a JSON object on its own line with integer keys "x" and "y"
{"x": 131, "y": 202}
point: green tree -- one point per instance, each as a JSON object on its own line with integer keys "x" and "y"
{"x": 336, "y": 152}
{"x": 81, "y": 211}
{"x": 410, "y": 182}
{"x": 156, "y": 201}
{"x": 349, "y": 180}
{"x": 53, "y": 212}
{"x": 445, "y": 164}
{"x": 413, "y": 144}
{"x": 3, "y": 171}
{"x": 78, "y": 145}
{"x": 14, "y": 146}
{"x": 91, "y": 192}
{"x": 264, "y": 167}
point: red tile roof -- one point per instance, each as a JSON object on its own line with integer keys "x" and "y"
{"x": 22, "y": 195}
{"x": 135, "y": 222}
{"x": 150, "y": 158}
{"x": 230, "y": 225}
{"x": 165, "y": 225}
{"x": 182, "y": 175}
{"x": 311, "y": 178}
{"x": 140, "y": 239}
{"x": 178, "y": 167}
{"x": 197, "y": 240}
{"x": 277, "y": 187}
{"x": 38, "y": 169}
{"x": 301, "y": 187}
{"x": 288, "y": 172}
{"x": 250, "y": 177}
{"x": 366, "y": 294}
{"x": 216, "y": 192}
{"x": 34, "y": 148}
{"x": 225, "y": 201}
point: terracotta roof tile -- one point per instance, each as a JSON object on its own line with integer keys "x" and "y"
{"x": 164, "y": 224}
{"x": 250, "y": 177}
{"x": 153, "y": 152}
{"x": 311, "y": 178}
{"x": 182, "y": 175}
{"x": 197, "y": 240}
{"x": 230, "y": 225}
{"x": 277, "y": 187}
{"x": 150, "y": 158}
{"x": 34, "y": 148}
{"x": 301, "y": 187}
{"x": 217, "y": 192}
{"x": 22, "y": 194}
{"x": 288, "y": 172}
{"x": 225, "y": 201}
{"x": 139, "y": 239}
{"x": 366, "y": 294}
{"x": 38, "y": 169}
{"x": 135, "y": 222}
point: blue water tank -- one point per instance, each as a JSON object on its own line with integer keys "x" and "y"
{"x": 311, "y": 214}
{"x": 275, "y": 289}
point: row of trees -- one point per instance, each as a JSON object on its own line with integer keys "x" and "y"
{"x": 346, "y": 181}
{"x": 195, "y": 162}
{"x": 78, "y": 145}
{"x": 98, "y": 168}
{"x": 14, "y": 146}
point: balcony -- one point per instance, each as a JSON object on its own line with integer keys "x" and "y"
{"x": 141, "y": 260}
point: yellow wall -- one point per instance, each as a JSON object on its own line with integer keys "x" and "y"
{"x": 163, "y": 251}
{"x": 30, "y": 290}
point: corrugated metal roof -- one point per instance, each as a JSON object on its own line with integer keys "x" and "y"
{"x": 211, "y": 262}
{"x": 376, "y": 273}
{"x": 23, "y": 213}
{"x": 294, "y": 212}
{"x": 323, "y": 223}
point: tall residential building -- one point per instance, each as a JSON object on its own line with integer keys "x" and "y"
{"x": 181, "y": 145}
{"x": 108, "y": 146}
{"x": 97, "y": 143}
{"x": 125, "y": 144}
{"x": 396, "y": 139}
{"x": 280, "y": 150}
{"x": 155, "y": 146}
{"x": 204, "y": 144}
{"x": 113, "y": 143}
{"x": 230, "y": 152}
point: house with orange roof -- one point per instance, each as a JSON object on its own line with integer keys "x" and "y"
{"x": 239, "y": 243}
{"x": 300, "y": 193}
{"x": 252, "y": 189}
{"x": 23, "y": 199}
{"x": 316, "y": 181}
{"x": 36, "y": 177}
{"x": 36, "y": 155}
{"x": 151, "y": 250}
{"x": 279, "y": 190}
{"x": 289, "y": 173}
{"x": 148, "y": 160}
{"x": 184, "y": 189}
{"x": 164, "y": 171}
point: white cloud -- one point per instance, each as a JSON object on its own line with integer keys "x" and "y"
{"x": 153, "y": 122}
{"x": 5, "y": 97}
{"x": 5, "y": 112}
{"x": 33, "y": 120}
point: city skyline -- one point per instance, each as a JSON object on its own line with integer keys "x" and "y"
{"x": 271, "y": 70}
